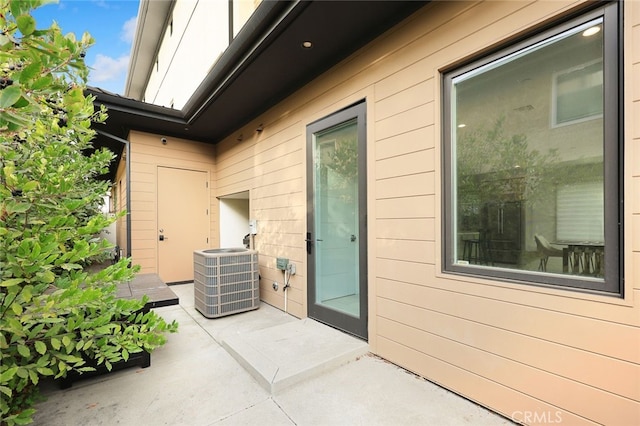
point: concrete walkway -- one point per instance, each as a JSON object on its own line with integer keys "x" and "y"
{"x": 262, "y": 367}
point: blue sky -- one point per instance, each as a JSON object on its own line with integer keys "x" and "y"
{"x": 112, "y": 24}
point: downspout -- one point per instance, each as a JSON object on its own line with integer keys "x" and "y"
{"x": 127, "y": 172}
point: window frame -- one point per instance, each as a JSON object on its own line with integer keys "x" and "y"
{"x": 612, "y": 284}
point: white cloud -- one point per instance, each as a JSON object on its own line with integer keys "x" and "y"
{"x": 101, "y": 3}
{"x": 106, "y": 68}
{"x": 129, "y": 30}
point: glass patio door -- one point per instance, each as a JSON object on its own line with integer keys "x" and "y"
{"x": 336, "y": 238}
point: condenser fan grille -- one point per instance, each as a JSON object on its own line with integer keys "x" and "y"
{"x": 226, "y": 281}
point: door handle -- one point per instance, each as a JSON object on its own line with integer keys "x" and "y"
{"x": 309, "y": 241}
{"x": 353, "y": 238}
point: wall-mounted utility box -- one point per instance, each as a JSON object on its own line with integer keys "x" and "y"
{"x": 253, "y": 226}
{"x": 281, "y": 263}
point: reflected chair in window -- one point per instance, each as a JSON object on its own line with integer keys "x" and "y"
{"x": 598, "y": 262}
{"x": 588, "y": 258}
{"x": 478, "y": 250}
{"x": 577, "y": 256}
{"x": 545, "y": 250}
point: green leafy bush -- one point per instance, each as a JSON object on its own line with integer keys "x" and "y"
{"x": 54, "y": 313}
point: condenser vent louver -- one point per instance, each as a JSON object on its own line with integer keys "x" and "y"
{"x": 226, "y": 281}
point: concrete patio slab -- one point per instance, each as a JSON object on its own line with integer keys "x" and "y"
{"x": 278, "y": 350}
{"x": 194, "y": 381}
{"x": 245, "y": 322}
{"x": 281, "y": 356}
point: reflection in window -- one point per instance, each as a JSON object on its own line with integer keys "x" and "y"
{"x": 578, "y": 94}
{"x": 526, "y": 162}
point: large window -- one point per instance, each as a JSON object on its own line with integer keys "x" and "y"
{"x": 529, "y": 195}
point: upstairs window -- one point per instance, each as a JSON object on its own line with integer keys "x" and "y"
{"x": 529, "y": 196}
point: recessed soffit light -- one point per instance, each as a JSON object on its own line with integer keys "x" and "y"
{"x": 307, "y": 44}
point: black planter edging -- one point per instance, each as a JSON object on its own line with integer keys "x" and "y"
{"x": 142, "y": 359}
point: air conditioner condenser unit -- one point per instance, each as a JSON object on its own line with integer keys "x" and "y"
{"x": 226, "y": 281}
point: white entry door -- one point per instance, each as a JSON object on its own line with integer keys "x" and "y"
{"x": 183, "y": 221}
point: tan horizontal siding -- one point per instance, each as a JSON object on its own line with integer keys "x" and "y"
{"x": 405, "y": 186}
{"x": 142, "y": 223}
{"x": 277, "y": 164}
{"x": 140, "y": 186}
{"x": 634, "y": 186}
{"x": 269, "y": 166}
{"x": 406, "y": 207}
{"x": 280, "y": 235}
{"x": 520, "y": 376}
{"x": 404, "y": 100}
{"x": 408, "y": 164}
{"x": 411, "y": 282}
{"x": 233, "y": 186}
{"x": 636, "y": 273}
{"x": 146, "y": 246}
{"x": 284, "y": 214}
{"x": 167, "y": 157}
{"x": 274, "y": 150}
{"x": 575, "y": 364}
{"x": 143, "y": 196}
{"x": 291, "y": 199}
{"x": 146, "y": 260}
{"x": 141, "y": 206}
{"x": 416, "y": 77}
{"x": 635, "y": 232}
{"x": 405, "y": 143}
{"x": 406, "y": 229}
{"x": 143, "y": 234}
{"x": 239, "y": 167}
{"x": 286, "y": 188}
{"x": 144, "y": 216}
{"x": 290, "y": 175}
{"x": 414, "y": 251}
{"x": 501, "y": 398}
{"x": 142, "y": 177}
{"x": 229, "y": 151}
{"x": 405, "y": 121}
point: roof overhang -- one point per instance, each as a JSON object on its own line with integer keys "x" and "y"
{"x": 264, "y": 64}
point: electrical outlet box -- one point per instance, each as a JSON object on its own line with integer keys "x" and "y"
{"x": 253, "y": 226}
{"x": 281, "y": 263}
